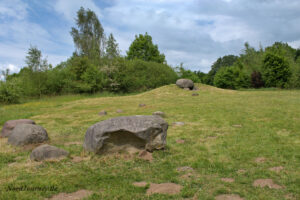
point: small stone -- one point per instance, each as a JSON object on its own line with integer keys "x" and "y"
{"x": 178, "y": 123}
{"x": 276, "y": 169}
{"x": 119, "y": 111}
{"x": 266, "y": 183}
{"x": 186, "y": 176}
{"x": 227, "y": 180}
{"x": 164, "y": 188}
{"x": 195, "y": 94}
{"x": 102, "y": 113}
{"x": 142, "y": 105}
{"x": 140, "y": 184}
{"x": 159, "y": 113}
{"x": 145, "y": 155}
{"x": 184, "y": 169}
{"x": 237, "y": 125}
{"x": 187, "y": 89}
{"x": 180, "y": 141}
{"x": 228, "y": 197}
{"x": 47, "y": 152}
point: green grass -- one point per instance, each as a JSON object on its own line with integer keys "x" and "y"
{"x": 270, "y": 128}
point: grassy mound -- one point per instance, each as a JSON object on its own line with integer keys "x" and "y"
{"x": 228, "y": 135}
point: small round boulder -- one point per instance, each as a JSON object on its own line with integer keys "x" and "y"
{"x": 185, "y": 83}
{"x": 11, "y": 124}
{"x": 24, "y": 134}
{"x": 47, "y": 152}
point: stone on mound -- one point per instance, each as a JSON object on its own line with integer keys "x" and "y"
{"x": 185, "y": 83}
{"x": 24, "y": 134}
{"x": 11, "y": 124}
{"x": 159, "y": 113}
{"x": 117, "y": 134}
{"x": 47, "y": 152}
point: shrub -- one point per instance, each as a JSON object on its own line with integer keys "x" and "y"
{"x": 10, "y": 92}
{"x": 231, "y": 78}
{"x": 276, "y": 71}
{"x": 138, "y": 75}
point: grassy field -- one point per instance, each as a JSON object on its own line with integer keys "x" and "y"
{"x": 228, "y": 134}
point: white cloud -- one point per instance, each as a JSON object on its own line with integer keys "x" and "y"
{"x": 68, "y": 8}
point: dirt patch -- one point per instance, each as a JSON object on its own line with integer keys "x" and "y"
{"x": 80, "y": 194}
{"x": 227, "y": 180}
{"x": 260, "y": 160}
{"x": 266, "y": 183}
{"x": 73, "y": 143}
{"x": 180, "y": 141}
{"x": 145, "y": 155}
{"x": 164, "y": 188}
{"x": 229, "y": 197}
{"x": 276, "y": 169}
{"x": 140, "y": 184}
{"x": 289, "y": 197}
{"x": 184, "y": 169}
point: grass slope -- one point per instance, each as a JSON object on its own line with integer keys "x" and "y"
{"x": 214, "y": 147}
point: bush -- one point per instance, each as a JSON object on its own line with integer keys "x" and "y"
{"x": 188, "y": 74}
{"x": 138, "y": 75}
{"x": 231, "y": 78}
{"x": 276, "y": 71}
{"x": 10, "y": 92}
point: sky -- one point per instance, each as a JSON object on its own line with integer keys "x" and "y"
{"x": 192, "y": 32}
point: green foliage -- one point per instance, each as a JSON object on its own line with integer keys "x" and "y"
{"x": 138, "y": 75}
{"x": 89, "y": 36}
{"x": 143, "y": 48}
{"x": 10, "y": 91}
{"x": 34, "y": 60}
{"x": 188, "y": 74}
{"x": 225, "y": 61}
{"x": 231, "y": 78}
{"x": 276, "y": 71}
{"x": 112, "y": 49}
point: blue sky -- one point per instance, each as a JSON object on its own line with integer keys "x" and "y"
{"x": 194, "y": 32}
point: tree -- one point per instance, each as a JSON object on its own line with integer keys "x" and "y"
{"x": 112, "y": 49}
{"x": 143, "y": 48}
{"x": 231, "y": 78}
{"x": 89, "y": 37}
{"x": 34, "y": 60}
{"x": 221, "y": 62}
{"x": 276, "y": 71}
{"x": 5, "y": 74}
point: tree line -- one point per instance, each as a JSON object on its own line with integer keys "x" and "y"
{"x": 96, "y": 65}
{"x": 276, "y": 66}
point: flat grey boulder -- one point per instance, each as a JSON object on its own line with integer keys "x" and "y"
{"x": 185, "y": 84}
{"x": 47, "y": 152}
{"x": 11, "y": 124}
{"x": 126, "y": 133}
{"x": 24, "y": 134}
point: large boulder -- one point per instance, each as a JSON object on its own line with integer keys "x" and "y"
{"x": 24, "y": 134}
{"x": 185, "y": 84}
{"x": 47, "y": 152}
{"x": 127, "y": 132}
{"x": 11, "y": 124}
